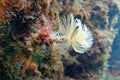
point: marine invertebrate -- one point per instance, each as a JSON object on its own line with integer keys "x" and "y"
{"x": 74, "y": 33}
{"x": 45, "y": 30}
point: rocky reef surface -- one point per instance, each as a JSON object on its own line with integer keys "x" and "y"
{"x": 26, "y": 44}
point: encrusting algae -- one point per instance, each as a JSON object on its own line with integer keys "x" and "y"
{"x": 34, "y": 32}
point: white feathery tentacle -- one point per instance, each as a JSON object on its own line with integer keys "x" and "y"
{"x": 74, "y": 34}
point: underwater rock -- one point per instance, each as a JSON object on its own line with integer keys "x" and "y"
{"x": 26, "y": 40}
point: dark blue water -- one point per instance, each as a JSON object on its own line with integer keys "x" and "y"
{"x": 114, "y": 60}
